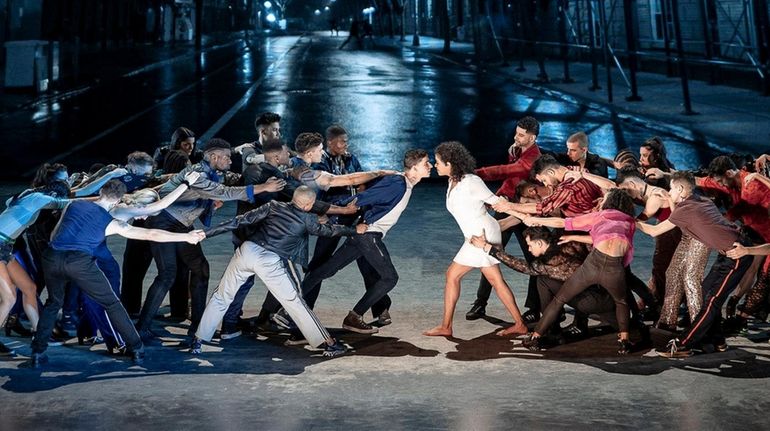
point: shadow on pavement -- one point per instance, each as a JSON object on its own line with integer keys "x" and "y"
{"x": 72, "y": 364}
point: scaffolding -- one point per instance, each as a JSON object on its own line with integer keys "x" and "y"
{"x": 734, "y": 35}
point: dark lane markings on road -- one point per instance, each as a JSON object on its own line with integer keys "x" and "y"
{"x": 133, "y": 117}
{"x": 244, "y": 100}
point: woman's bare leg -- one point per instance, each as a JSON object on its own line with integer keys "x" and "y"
{"x": 503, "y": 291}
{"x": 28, "y": 289}
{"x": 454, "y": 275}
{"x": 7, "y": 293}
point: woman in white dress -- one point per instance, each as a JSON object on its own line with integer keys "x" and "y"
{"x": 466, "y": 198}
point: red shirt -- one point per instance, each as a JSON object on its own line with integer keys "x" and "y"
{"x": 574, "y": 198}
{"x": 517, "y": 169}
{"x": 752, "y": 207}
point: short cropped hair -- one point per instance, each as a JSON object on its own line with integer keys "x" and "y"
{"x": 580, "y": 137}
{"x": 304, "y": 193}
{"x": 413, "y": 157}
{"x": 113, "y": 189}
{"x": 684, "y": 178}
{"x": 307, "y": 141}
{"x": 140, "y": 158}
{"x": 543, "y": 163}
{"x": 628, "y": 172}
{"x": 265, "y": 119}
{"x": 335, "y": 131}
{"x": 272, "y": 146}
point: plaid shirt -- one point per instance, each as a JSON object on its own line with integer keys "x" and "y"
{"x": 574, "y": 198}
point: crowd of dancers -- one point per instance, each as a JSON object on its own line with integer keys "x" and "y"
{"x": 574, "y": 227}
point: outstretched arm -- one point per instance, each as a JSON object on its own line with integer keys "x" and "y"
{"x": 554, "y": 222}
{"x": 127, "y": 212}
{"x": 118, "y": 227}
{"x": 93, "y": 187}
{"x": 353, "y": 179}
{"x": 657, "y": 229}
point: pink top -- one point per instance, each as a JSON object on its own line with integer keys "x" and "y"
{"x": 605, "y": 225}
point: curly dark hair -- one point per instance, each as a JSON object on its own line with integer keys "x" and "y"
{"x": 535, "y": 233}
{"x": 530, "y": 124}
{"x": 307, "y": 140}
{"x": 619, "y": 199}
{"x": 455, "y": 153}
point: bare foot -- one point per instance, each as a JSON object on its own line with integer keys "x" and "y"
{"x": 439, "y": 331}
{"x": 515, "y": 330}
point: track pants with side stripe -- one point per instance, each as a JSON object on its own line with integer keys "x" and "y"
{"x": 722, "y": 279}
{"x": 282, "y": 279}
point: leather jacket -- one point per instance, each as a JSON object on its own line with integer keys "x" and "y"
{"x": 282, "y": 228}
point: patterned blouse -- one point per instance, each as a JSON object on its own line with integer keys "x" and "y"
{"x": 559, "y": 265}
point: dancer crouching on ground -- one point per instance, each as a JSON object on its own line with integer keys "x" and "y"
{"x": 465, "y": 200}
{"x": 611, "y": 232}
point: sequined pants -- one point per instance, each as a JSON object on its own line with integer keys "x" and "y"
{"x": 683, "y": 279}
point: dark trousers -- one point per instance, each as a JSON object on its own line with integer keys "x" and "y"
{"x": 485, "y": 288}
{"x": 598, "y": 268}
{"x": 723, "y": 278}
{"x": 665, "y": 246}
{"x": 166, "y": 255}
{"x": 381, "y": 273}
{"x": 592, "y": 301}
{"x": 62, "y": 267}
{"x": 136, "y": 261}
{"x": 94, "y": 316}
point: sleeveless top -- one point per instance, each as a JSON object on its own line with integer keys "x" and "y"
{"x": 81, "y": 228}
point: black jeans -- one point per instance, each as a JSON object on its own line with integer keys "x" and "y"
{"x": 62, "y": 267}
{"x": 592, "y": 301}
{"x": 380, "y": 276}
{"x": 485, "y": 288}
{"x": 722, "y": 279}
{"x": 598, "y": 268}
{"x": 166, "y": 255}
{"x": 136, "y": 260}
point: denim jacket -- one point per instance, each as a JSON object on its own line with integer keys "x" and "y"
{"x": 197, "y": 201}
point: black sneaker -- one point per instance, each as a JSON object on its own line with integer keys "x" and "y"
{"x": 531, "y": 317}
{"x": 384, "y": 319}
{"x": 149, "y": 337}
{"x": 196, "y": 346}
{"x": 674, "y": 350}
{"x": 336, "y": 349}
{"x": 624, "y": 347}
{"x": 38, "y": 360}
{"x": 137, "y": 357}
{"x": 477, "y": 311}
{"x": 732, "y": 306}
{"x": 355, "y": 323}
{"x": 69, "y": 325}
{"x": 735, "y": 325}
{"x": 532, "y": 343}
{"x": 228, "y": 332}
{"x": 5, "y": 351}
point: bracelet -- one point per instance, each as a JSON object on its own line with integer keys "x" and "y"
{"x": 187, "y": 183}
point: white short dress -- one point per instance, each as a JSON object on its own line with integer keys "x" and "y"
{"x": 466, "y": 203}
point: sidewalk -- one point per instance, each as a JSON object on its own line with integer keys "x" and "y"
{"x": 728, "y": 118}
{"x": 99, "y": 67}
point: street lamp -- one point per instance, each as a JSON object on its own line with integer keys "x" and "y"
{"x": 267, "y": 5}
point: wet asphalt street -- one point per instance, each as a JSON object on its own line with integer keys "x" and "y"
{"x": 389, "y": 100}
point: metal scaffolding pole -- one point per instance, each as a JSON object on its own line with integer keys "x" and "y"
{"x": 563, "y": 4}
{"x": 762, "y": 23}
{"x": 681, "y": 58}
{"x": 708, "y": 40}
{"x": 594, "y": 66}
{"x": 629, "y": 9}
{"x": 606, "y": 47}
